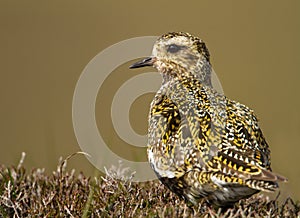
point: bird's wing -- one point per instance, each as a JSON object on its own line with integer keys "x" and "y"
{"x": 244, "y": 151}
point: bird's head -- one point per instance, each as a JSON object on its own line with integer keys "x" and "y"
{"x": 178, "y": 52}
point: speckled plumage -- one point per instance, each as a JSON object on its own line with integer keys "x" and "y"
{"x": 200, "y": 143}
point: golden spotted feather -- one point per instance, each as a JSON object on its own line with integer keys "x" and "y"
{"x": 200, "y": 143}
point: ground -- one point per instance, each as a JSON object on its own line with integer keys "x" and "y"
{"x": 65, "y": 193}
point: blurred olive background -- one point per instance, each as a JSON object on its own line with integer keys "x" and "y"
{"x": 45, "y": 45}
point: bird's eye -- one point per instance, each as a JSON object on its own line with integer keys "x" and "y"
{"x": 173, "y": 48}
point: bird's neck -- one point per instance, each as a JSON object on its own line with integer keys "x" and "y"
{"x": 201, "y": 73}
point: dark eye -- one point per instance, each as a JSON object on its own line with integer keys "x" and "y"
{"x": 173, "y": 48}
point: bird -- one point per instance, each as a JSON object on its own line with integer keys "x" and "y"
{"x": 201, "y": 144}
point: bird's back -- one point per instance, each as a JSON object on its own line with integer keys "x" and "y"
{"x": 201, "y": 144}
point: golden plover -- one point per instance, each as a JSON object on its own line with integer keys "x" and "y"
{"x": 200, "y": 143}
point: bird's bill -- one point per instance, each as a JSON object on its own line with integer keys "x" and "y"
{"x": 143, "y": 63}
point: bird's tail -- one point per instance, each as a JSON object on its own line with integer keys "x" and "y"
{"x": 266, "y": 184}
